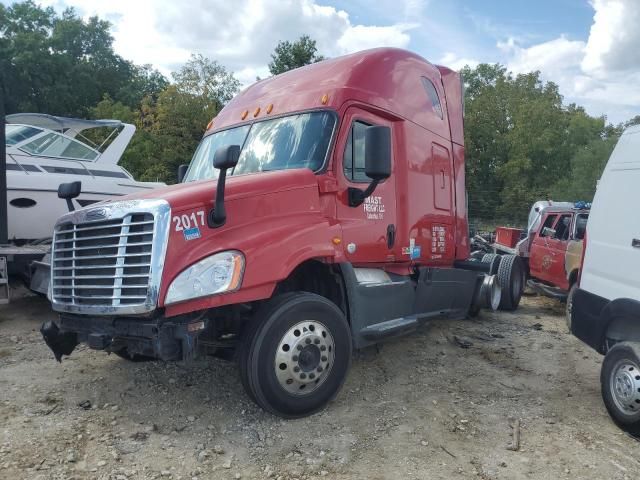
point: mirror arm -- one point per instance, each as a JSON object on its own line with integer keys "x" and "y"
{"x": 357, "y": 196}
{"x": 217, "y": 215}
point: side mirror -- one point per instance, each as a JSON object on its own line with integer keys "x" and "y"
{"x": 377, "y": 152}
{"x": 224, "y": 158}
{"x": 182, "y": 171}
{"x": 548, "y": 232}
{"x": 377, "y": 162}
{"x": 68, "y": 191}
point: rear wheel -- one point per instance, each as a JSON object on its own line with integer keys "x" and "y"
{"x": 295, "y": 355}
{"x": 488, "y": 257}
{"x": 511, "y": 281}
{"x": 620, "y": 385}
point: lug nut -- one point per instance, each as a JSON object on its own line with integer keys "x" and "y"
{"x": 307, "y": 341}
{"x": 294, "y": 358}
{"x": 296, "y": 369}
{"x": 322, "y": 348}
{"x": 319, "y": 369}
{"x": 299, "y": 347}
{"x": 324, "y": 359}
{"x": 317, "y": 341}
{"x": 303, "y": 376}
{"x": 312, "y": 376}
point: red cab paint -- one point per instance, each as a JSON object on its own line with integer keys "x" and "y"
{"x": 424, "y": 197}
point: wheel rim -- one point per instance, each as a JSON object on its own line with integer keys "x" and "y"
{"x": 304, "y": 357}
{"x": 569, "y": 308}
{"x": 625, "y": 387}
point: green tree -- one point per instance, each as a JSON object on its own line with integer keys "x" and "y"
{"x": 208, "y": 80}
{"x": 171, "y": 124}
{"x": 522, "y": 144}
{"x": 62, "y": 64}
{"x": 289, "y": 55}
{"x": 587, "y": 166}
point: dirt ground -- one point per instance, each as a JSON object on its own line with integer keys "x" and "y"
{"x": 439, "y": 404}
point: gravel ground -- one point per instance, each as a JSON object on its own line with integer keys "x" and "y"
{"x": 441, "y": 403}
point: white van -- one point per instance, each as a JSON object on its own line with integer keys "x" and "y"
{"x": 605, "y": 309}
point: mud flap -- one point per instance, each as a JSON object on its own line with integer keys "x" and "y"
{"x": 59, "y": 343}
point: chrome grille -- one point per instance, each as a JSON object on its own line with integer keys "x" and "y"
{"x": 105, "y": 263}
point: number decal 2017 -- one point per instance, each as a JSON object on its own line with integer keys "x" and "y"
{"x": 187, "y": 221}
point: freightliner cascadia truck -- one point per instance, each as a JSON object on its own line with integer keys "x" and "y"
{"x": 323, "y": 211}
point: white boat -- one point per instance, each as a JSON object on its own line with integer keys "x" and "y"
{"x": 44, "y": 151}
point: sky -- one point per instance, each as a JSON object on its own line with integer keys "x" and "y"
{"x": 590, "y": 48}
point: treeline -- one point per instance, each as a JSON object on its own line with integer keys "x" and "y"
{"x": 522, "y": 143}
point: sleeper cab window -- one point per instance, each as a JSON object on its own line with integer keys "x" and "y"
{"x": 432, "y": 94}
{"x": 353, "y": 162}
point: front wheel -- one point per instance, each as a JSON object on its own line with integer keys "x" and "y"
{"x": 295, "y": 354}
{"x": 620, "y": 384}
{"x": 569, "y": 305}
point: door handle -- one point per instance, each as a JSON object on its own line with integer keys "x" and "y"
{"x": 391, "y": 236}
{"x": 635, "y": 243}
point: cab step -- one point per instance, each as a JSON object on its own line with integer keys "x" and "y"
{"x": 397, "y": 326}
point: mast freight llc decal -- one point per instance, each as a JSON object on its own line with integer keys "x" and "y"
{"x": 374, "y": 208}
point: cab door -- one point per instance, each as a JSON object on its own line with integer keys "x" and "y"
{"x": 539, "y": 254}
{"x": 547, "y": 261}
{"x": 368, "y": 230}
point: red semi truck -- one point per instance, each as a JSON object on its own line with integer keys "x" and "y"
{"x": 324, "y": 210}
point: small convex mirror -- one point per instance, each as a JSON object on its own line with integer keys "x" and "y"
{"x": 182, "y": 171}
{"x": 226, "y": 157}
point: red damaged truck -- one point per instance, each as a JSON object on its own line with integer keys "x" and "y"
{"x": 551, "y": 247}
{"x": 324, "y": 210}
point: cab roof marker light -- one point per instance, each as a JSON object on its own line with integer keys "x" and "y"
{"x": 270, "y": 108}
{"x": 325, "y": 99}
{"x": 244, "y": 114}
{"x": 256, "y": 113}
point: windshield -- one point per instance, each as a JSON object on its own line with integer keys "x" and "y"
{"x": 296, "y": 141}
{"x": 17, "y": 133}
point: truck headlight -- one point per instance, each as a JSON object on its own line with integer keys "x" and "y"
{"x": 218, "y": 273}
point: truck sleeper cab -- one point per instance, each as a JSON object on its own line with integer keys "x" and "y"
{"x": 324, "y": 210}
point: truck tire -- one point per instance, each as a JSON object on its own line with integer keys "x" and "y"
{"x": 569, "y": 305}
{"x": 295, "y": 354}
{"x": 511, "y": 281}
{"x": 488, "y": 257}
{"x": 620, "y": 385}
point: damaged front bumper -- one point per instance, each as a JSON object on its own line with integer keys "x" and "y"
{"x": 159, "y": 338}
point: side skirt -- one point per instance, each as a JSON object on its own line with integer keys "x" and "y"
{"x": 383, "y": 305}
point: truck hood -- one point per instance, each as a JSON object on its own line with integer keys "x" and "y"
{"x": 192, "y": 194}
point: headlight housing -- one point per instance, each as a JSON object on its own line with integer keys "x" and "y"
{"x": 218, "y": 273}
